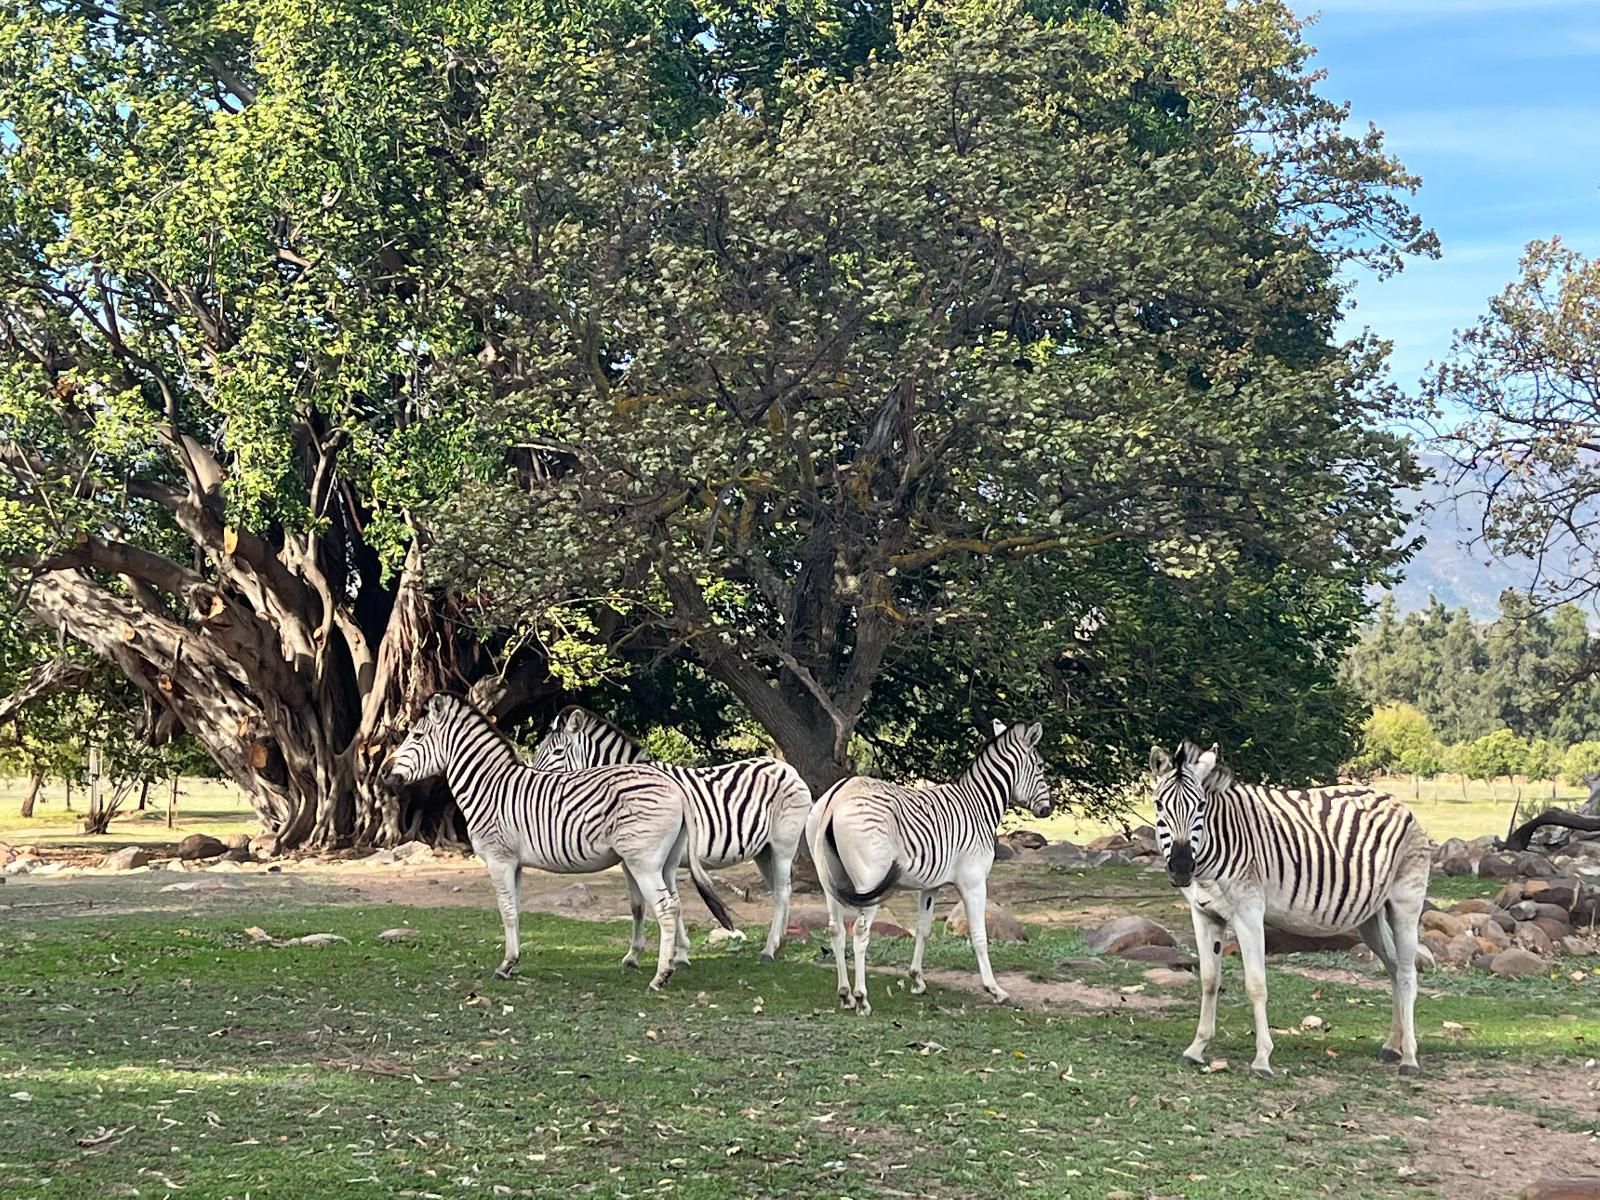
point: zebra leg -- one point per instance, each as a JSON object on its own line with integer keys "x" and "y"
{"x": 776, "y": 870}
{"x": 1208, "y": 934}
{"x": 975, "y": 897}
{"x": 630, "y": 961}
{"x": 924, "y": 926}
{"x": 1375, "y": 933}
{"x": 1252, "y": 935}
{"x": 680, "y": 932}
{"x": 1402, "y": 917}
{"x": 506, "y": 876}
{"x": 863, "y": 935}
{"x": 667, "y": 918}
{"x": 847, "y": 998}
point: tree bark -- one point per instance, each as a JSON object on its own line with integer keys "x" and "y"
{"x": 35, "y": 781}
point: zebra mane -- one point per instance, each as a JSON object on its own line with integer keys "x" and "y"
{"x": 591, "y": 717}
{"x": 472, "y": 710}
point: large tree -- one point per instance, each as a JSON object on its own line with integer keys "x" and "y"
{"x": 944, "y": 383}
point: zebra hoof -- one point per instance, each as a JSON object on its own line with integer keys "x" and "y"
{"x": 1410, "y": 1069}
{"x": 1004, "y": 1000}
{"x": 629, "y": 964}
{"x": 862, "y": 1006}
{"x": 505, "y": 972}
{"x": 660, "y": 981}
{"x": 1189, "y": 1060}
{"x": 768, "y": 956}
{"x": 1385, "y": 1054}
{"x": 918, "y": 984}
{"x": 1262, "y": 1072}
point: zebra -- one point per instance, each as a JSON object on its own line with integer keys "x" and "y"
{"x": 570, "y": 823}
{"x": 754, "y": 808}
{"x": 923, "y": 838}
{"x": 1316, "y": 862}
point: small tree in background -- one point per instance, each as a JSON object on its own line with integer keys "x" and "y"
{"x": 1398, "y": 740}
{"x": 1495, "y": 755}
{"x": 1581, "y": 761}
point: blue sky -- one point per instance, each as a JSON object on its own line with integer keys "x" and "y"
{"x": 1496, "y": 104}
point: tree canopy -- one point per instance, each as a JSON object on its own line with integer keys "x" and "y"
{"x": 876, "y": 367}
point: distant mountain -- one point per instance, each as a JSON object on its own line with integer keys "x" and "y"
{"x": 1448, "y": 565}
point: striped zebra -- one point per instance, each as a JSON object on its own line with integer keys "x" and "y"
{"x": 754, "y": 808}
{"x": 569, "y": 823}
{"x": 1315, "y": 862}
{"x": 868, "y": 836}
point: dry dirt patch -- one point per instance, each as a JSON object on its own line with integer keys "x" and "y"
{"x": 1055, "y": 995}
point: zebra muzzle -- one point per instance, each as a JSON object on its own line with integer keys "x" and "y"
{"x": 1180, "y": 866}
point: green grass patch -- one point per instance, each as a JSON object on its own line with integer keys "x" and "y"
{"x": 155, "y": 1050}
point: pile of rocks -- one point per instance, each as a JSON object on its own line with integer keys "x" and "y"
{"x": 1482, "y": 857}
{"x": 1137, "y": 847}
{"x": 25, "y": 860}
{"x": 1530, "y": 922}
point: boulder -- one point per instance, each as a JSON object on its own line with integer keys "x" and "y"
{"x": 1448, "y": 924}
{"x": 1532, "y": 910}
{"x": 1510, "y": 894}
{"x": 998, "y": 923}
{"x": 1064, "y": 856}
{"x": 1109, "y": 858}
{"x": 882, "y": 928}
{"x": 1505, "y": 920}
{"x": 1167, "y": 956}
{"x": 1510, "y": 964}
{"x": 1494, "y": 935}
{"x": 401, "y": 934}
{"x": 1448, "y": 847}
{"x": 199, "y": 845}
{"x": 1499, "y": 865}
{"x": 1531, "y": 865}
{"x": 1576, "y": 947}
{"x": 1003, "y": 851}
{"x": 1123, "y": 933}
{"x": 1460, "y": 950}
{"x": 1144, "y": 839}
{"x": 803, "y": 922}
{"x": 1467, "y": 907}
{"x": 407, "y": 852}
{"x": 575, "y": 895}
{"x": 1111, "y": 841}
{"x": 1425, "y": 959}
{"x": 1166, "y": 977}
{"x": 318, "y": 939}
{"x": 725, "y": 937}
{"x": 237, "y": 841}
{"x": 1561, "y": 891}
{"x": 1585, "y": 1187}
{"x": 1455, "y": 857}
{"x": 264, "y": 845}
{"x": 127, "y": 859}
{"x": 1435, "y": 940}
{"x": 1027, "y": 839}
{"x": 1554, "y": 930}
{"x": 1483, "y": 962}
{"x": 1531, "y": 937}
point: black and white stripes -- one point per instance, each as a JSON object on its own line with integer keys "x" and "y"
{"x": 518, "y": 817}
{"x": 751, "y": 809}
{"x": 868, "y": 836}
{"x": 1315, "y": 861}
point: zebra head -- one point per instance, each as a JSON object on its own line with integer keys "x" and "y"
{"x": 424, "y": 752}
{"x": 578, "y": 739}
{"x": 1019, "y": 745}
{"x": 1184, "y": 781}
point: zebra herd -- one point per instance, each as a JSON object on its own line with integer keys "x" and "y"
{"x": 1313, "y": 861}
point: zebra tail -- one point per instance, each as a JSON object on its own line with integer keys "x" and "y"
{"x": 697, "y": 870}
{"x": 839, "y": 878}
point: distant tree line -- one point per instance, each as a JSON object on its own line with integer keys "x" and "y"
{"x": 1510, "y": 697}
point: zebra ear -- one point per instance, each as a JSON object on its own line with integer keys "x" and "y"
{"x": 999, "y": 727}
{"x": 1160, "y": 761}
{"x": 1034, "y": 733}
{"x": 435, "y": 704}
{"x": 1220, "y": 779}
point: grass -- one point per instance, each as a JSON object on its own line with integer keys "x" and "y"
{"x": 1441, "y": 807}
{"x": 204, "y": 806}
{"x": 167, "y": 1050}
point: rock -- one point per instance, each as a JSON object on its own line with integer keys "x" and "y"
{"x": 1534, "y": 866}
{"x": 1554, "y": 930}
{"x": 199, "y": 845}
{"x": 576, "y": 895}
{"x": 1123, "y": 933}
{"x": 264, "y": 845}
{"x": 1280, "y": 941}
{"x": 1455, "y": 857}
{"x": 1531, "y": 910}
{"x": 1167, "y": 956}
{"x": 127, "y": 859}
{"x": 1144, "y": 838}
{"x": 237, "y": 841}
{"x": 1111, "y": 841}
{"x": 882, "y": 928}
{"x": 1510, "y": 894}
{"x": 1448, "y": 924}
{"x": 1000, "y": 925}
{"x": 1494, "y": 935}
{"x": 1531, "y": 937}
{"x": 178, "y": 865}
{"x": 1362, "y": 953}
{"x": 1109, "y": 858}
{"x": 206, "y": 883}
{"x": 1027, "y": 839}
{"x": 803, "y": 922}
{"x": 1499, "y": 865}
{"x": 1576, "y": 947}
{"x": 1425, "y": 959}
{"x": 1080, "y": 964}
{"x": 1516, "y": 962}
{"x": 1576, "y": 1188}
{"x": 1561, "y": 891}
{"x": 1459, "y": 950}
{"x": 727, "y": 937}
{"x": 317, "y": 939}
{"x": 408, "y": 852}
{"x": 1064, "y": 856}
{"x": 401, "y": 934}
{"x": 1505, "y": 920}
{"x": 1468, "y": 907}
{"x": 1435, "y": 940}
{"x": 1003, "y": 851}
{"x": 22, "y": 866}
{"x": 1483, "y": 962}
{"x": 1167, "y": 977}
